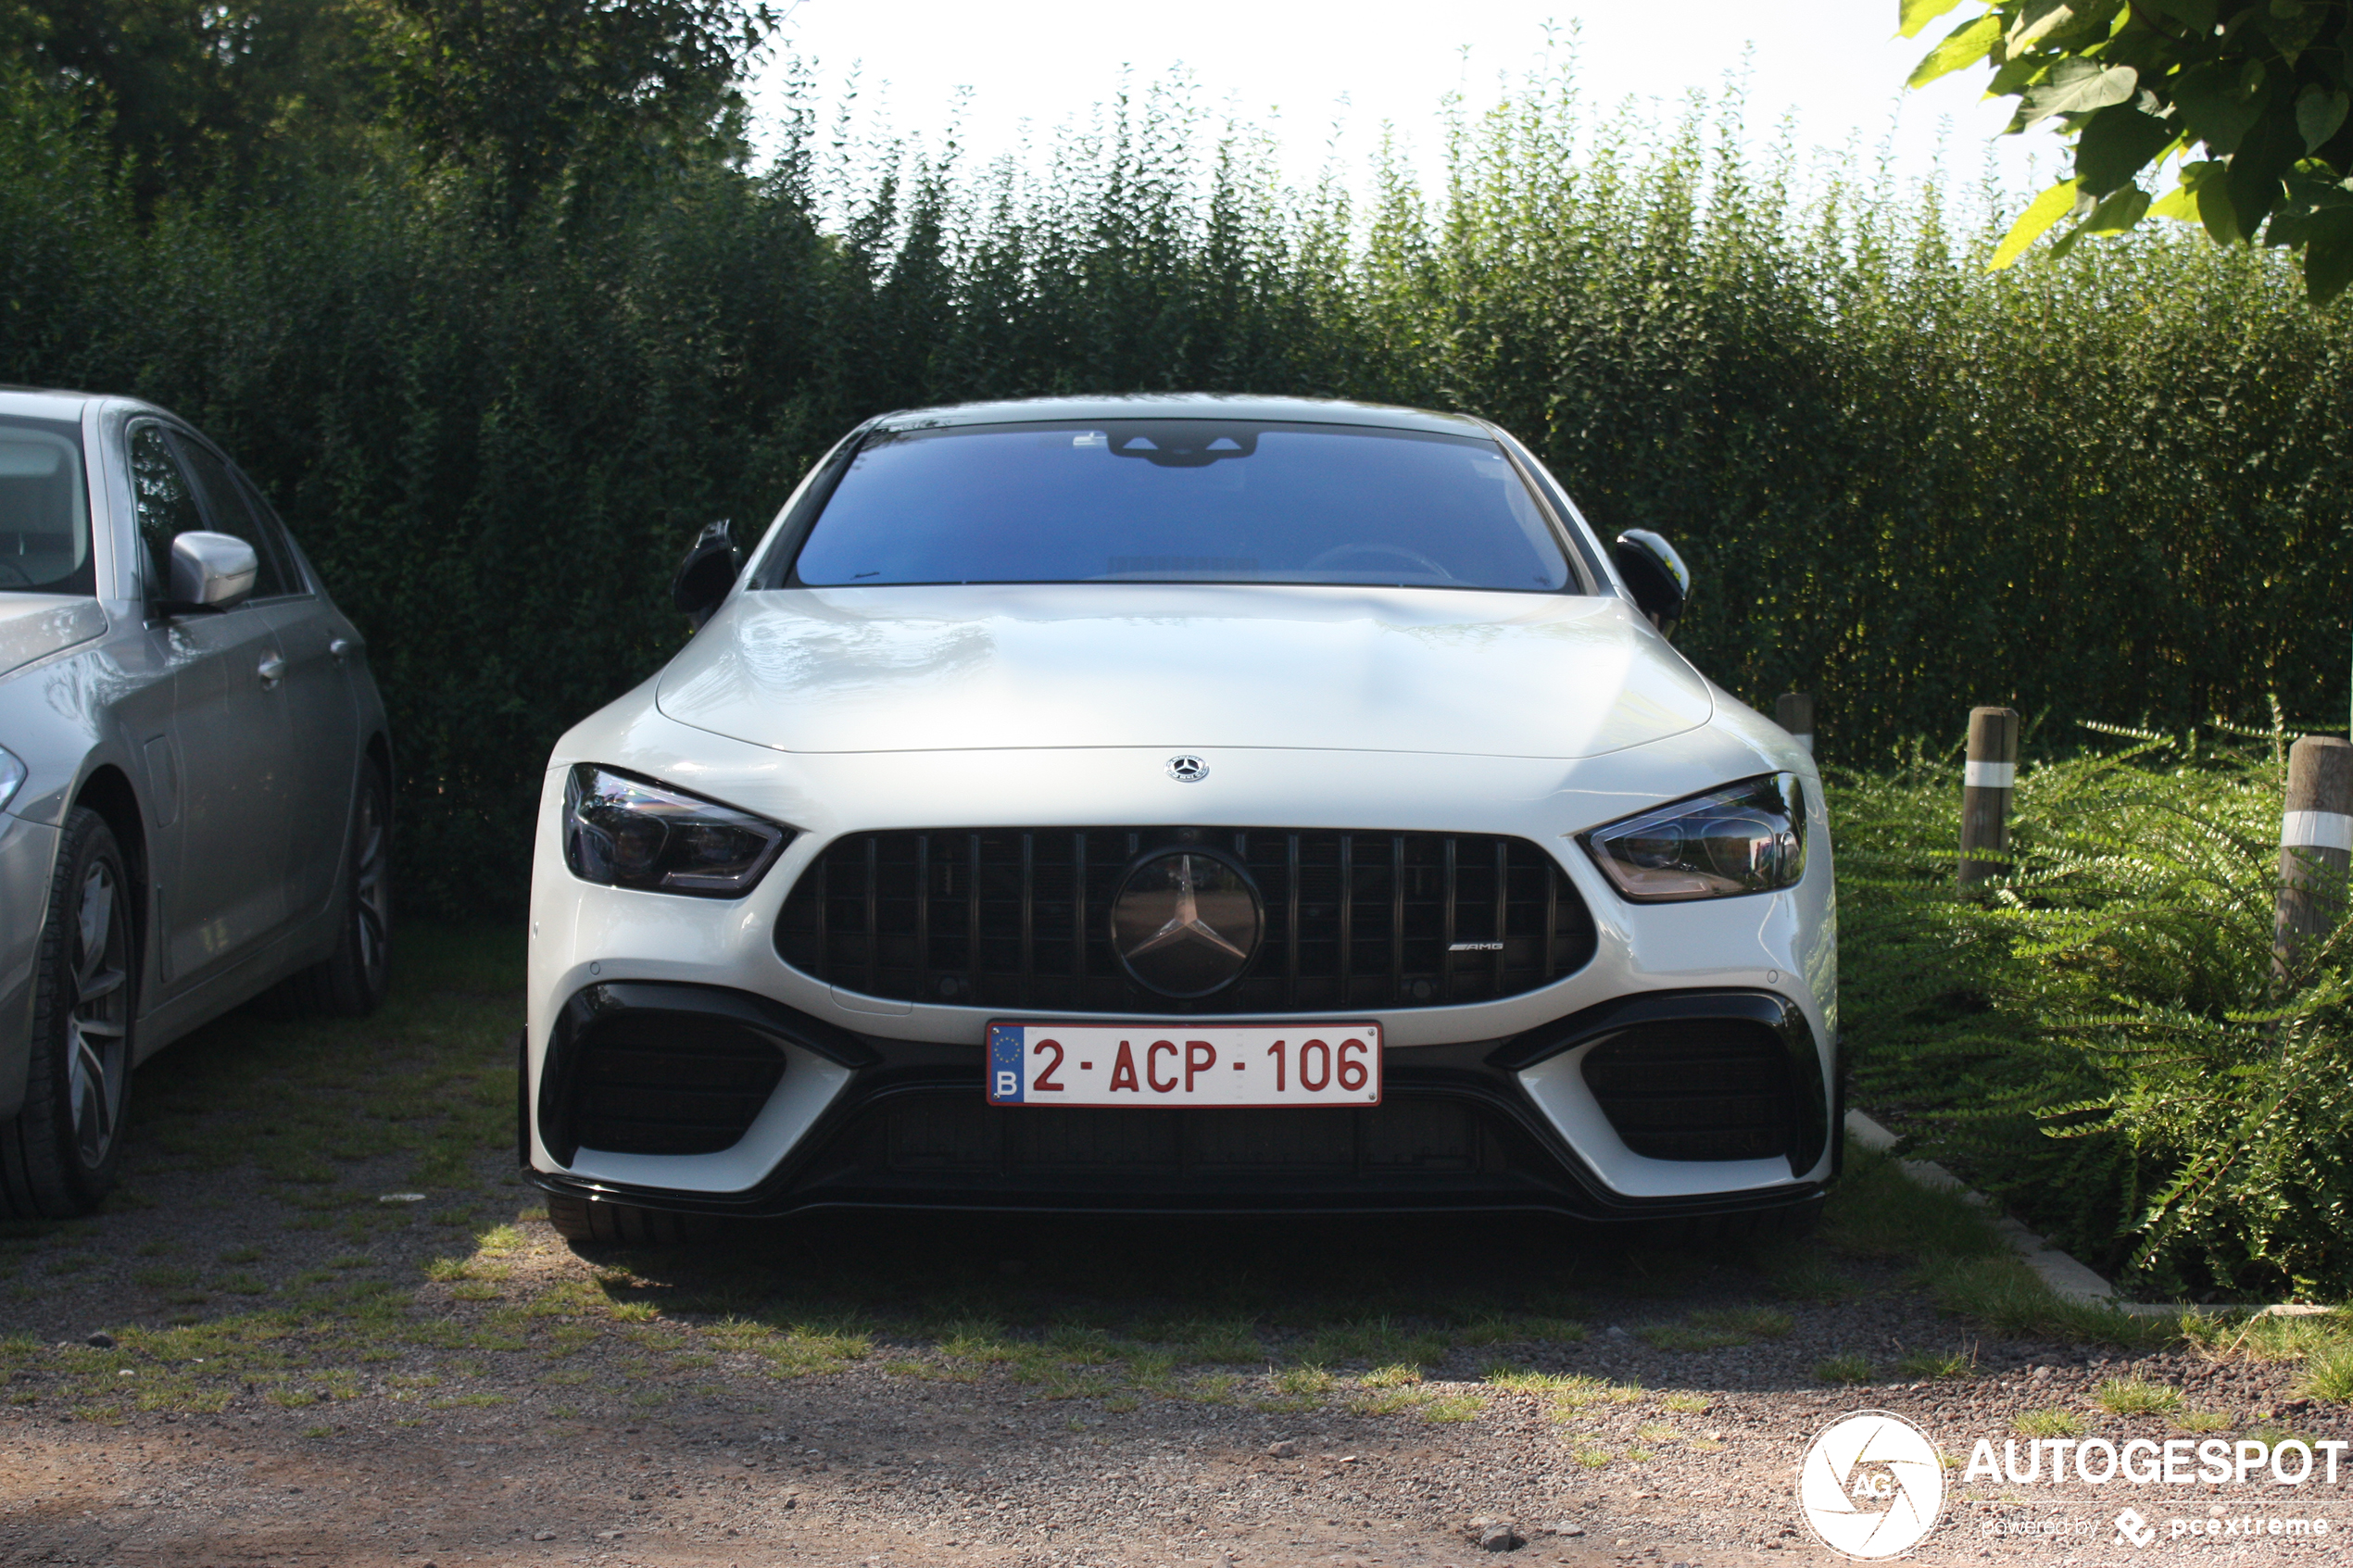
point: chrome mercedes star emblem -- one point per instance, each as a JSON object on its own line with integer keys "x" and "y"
{"x": 1184, "y": 923}
{"x": 1186, "y": 768}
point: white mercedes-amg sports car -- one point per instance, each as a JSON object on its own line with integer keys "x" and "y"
{"x": 1180, "y": 803}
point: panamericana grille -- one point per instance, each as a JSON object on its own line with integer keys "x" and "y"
{"x": 1696, "y": 1089}
{"x": 1020, "y": 918}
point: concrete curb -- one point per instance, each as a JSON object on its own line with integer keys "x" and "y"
{"x": 2067, "y": 1278}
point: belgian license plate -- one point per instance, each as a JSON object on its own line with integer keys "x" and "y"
{"x": 1223, "y": 1065}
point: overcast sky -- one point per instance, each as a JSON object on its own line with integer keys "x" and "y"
{"x": 1294, "y": 68}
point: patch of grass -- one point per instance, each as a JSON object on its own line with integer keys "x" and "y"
{"x": 1924, "y": 1366}
{"x": 2003, "y": 1296}
{"x": 1653, "y": 1432}
{"x": 2132, "y": 1396}
{"x": 1303, "y": 1382}
{"x": 1589, "y": 1457}
{"x": 1687, "y": 1404}
{"x": 1233, "y": 1342}
{"x": 1396, "y": 1375}
{"x": 1847, "y": 1369}
{"x": 1387, "y": 1402}
{"x": 2204, "y": 1421}
{"x": 1453, "y": 1407}
{"x": 2272, "y": 1338}
{"x": 236, "y": 1255}
{"x": 2050, "y": 1422}
{"x": 1810, "y": 1276}
{"x": 2329, "y": 1376}
{"x": 1217, "y": 1389}
{"x": 1525, "y": 1380}
{"x": 1514, "y": 1329}
{"x": 165, "y": 1278}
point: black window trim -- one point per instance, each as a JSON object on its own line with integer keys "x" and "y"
{"x": 266, "y": 522}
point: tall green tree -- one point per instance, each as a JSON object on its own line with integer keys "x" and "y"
{"x": 2244, "y": 102}
{"x": 189, "y": 91}
{"x": 521, "y": 91}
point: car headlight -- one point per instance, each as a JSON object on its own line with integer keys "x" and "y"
{"x": 1748, "y": 838}
{"x": 11, "y": 775}
{"x": 627, "y": 832}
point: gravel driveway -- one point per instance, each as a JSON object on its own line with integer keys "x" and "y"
{"x": 299, "y": 1370}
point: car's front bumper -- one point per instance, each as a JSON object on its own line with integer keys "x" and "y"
{"x": 863, "y": 1073}
{"x": 856, "y": 1121}
{"x": 28, "y": 854}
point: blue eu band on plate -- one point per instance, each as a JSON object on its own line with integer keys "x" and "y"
{"x": 1230, "y": 1065}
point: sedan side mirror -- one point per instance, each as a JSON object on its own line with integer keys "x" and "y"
{"x": 707, "y": 573}
{"x": 210, "y": 570}
{"x": 1657, "y": 576}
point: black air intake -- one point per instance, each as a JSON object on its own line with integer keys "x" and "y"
{"x": 1019, "y": 918}
{"x": 1697, "y": 1089}
{"x": 649, "y": 1067}
{"x": 671, "y": 1092}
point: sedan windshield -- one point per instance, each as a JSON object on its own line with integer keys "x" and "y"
{"x": 1181, "y": 501}
{"x": 45, "y": 517}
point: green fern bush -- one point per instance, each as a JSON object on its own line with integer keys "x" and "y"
{"x": 2099, "y": 1038}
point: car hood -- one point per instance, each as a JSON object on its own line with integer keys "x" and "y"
{"x": 36, "y": 625}
{"x": 929, "y": 669}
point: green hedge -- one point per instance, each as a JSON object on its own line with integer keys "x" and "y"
{"x": 2116, "y": 485}
{"x": 2100, "y": 1039}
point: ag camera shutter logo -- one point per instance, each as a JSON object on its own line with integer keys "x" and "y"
{"x": 1871, "y": 1485}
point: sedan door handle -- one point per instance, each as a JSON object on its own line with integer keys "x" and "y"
{"x": 272, "y": 670}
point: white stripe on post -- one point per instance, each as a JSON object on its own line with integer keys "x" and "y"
{"x": 1989, "y": 775}
{"x": 2316, "y": 830}
{"x": 2316, "y": 849}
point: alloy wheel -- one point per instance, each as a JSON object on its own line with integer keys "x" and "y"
{"x": 97, "y": 1027}
{"x": 372, "y": 885}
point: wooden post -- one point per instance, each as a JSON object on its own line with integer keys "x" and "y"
{"x": 1794, "y": 711}
{"x": 1986, "y": 782}
{"x": 2316, "y": 846}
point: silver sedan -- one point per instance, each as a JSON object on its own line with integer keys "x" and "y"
{"x": 195, "y": 776}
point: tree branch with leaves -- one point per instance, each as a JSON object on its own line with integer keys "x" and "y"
{"x": 2244, "y": 102}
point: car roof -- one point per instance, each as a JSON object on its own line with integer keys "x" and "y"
{"x": 1185, "y": 406}
{"x": 43, "y": 402}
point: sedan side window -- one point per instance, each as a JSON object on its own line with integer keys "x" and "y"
{"x": 228, "y": 511}
{"x": 165, "y": 499}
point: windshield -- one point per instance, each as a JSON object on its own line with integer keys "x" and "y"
{"x": 1181, "y": 501}
{"x": 45, "y": 517}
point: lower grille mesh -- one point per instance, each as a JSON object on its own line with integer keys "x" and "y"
{"x": 672, "y": 1096}
{"x": 1020, "y": 918}
{"x": 1696, "y": 1089}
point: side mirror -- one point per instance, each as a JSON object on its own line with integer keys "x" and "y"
{"x": 707, "y": 573}
{"x": 1657, "y": 576}
{"x": 210, "y": 570}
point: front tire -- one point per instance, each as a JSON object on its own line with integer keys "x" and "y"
{"x": 60, "y": 1155}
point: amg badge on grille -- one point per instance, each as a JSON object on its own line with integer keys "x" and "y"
{"x": 1185, "y": 921}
